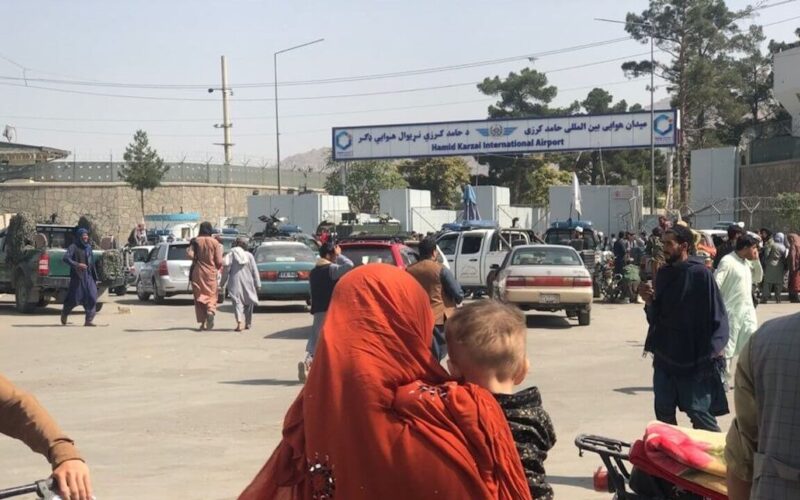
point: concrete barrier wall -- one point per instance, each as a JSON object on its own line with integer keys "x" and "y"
{"x": 115, "y": 207}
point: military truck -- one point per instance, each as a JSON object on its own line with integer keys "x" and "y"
{"x": 32, "y": 266}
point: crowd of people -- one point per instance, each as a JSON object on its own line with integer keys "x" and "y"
{"x": 378, "y": 400}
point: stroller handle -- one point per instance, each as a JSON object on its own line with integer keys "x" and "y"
{"x": 603, "y": 446}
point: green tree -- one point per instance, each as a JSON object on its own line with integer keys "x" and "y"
{"x": 699, "y": 38}
{"x": 143, "y": 168}
{"x": 442, "y": 176}
{"x": 526, "y": 93}
{"x": 542, "y": 178}
{"x": 364, "y": 180}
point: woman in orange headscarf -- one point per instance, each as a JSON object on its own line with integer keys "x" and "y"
{"x": 379, "y": 418}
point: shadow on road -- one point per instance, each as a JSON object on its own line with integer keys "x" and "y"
{"x": 290, "y": 308}
{"x": 264, "y": 381}
{"x": 8, "y": 309}
{"x": 170, "y": 301}
{"x": 631, "y": 391}
{"x": 547, "y": 321}
{"x": 579, "y": 481}
{"x": 298, "y": 333}
{"x": 187, "y": 328}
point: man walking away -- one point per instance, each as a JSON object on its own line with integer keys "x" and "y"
{"x": 441, "y": 286}
{"x": 729, "y": 246}
{"x": 241, "y": 277}
{"x": 687, "y": 336}
{"x": 774, "y": 268}
{"x": 82, "y": 279}
{"x": 331, "y": 266}
{"x": 735, "y": 277}
{"x": 763, "y": 445}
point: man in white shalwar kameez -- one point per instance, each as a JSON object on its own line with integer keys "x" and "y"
{"x": 735, "y": 276}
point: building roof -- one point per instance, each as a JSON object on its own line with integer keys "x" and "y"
{"x": 24, "y": 154}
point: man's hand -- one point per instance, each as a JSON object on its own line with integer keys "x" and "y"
{"x": 72, "y": 478}
{"x": 646, "y": 292}
{"x": 82, "y": 266}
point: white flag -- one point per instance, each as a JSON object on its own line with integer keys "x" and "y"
{"x": 576, "y": 194}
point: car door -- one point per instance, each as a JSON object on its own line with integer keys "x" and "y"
{"x": 448, "y": 244}
{"x": 146, "y": 274}
{"x": 469, "y": 258}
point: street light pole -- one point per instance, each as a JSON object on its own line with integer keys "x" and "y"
{"x": 652, "y": 130}
{"x": 277, "y": 119}
{"x": 652, "y": 111}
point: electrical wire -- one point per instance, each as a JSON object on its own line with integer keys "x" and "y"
{"x": 345, "y": 79}
{"x": 301, "y": 115}
{"x": 308, "y": 98}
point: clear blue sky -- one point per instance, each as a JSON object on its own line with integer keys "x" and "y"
{"x": 180, "y": 42}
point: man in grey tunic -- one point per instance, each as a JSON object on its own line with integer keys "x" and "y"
{"x": 243, "y": 281}
{"x": 763, "y": 446}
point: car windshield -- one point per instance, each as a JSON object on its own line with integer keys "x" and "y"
{"x": 565, "y": 237}
{"x": 284, "y": 253}
{"x": 545, "y": 257}
{"x": 177, "y": 252}
{"x": 369, "y": 255}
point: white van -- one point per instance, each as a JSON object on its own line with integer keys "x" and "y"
{"x": 472, "y": 253}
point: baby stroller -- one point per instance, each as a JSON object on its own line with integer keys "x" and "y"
{"x": 631, "y": 475}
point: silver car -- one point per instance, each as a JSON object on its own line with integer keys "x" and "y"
{"x": 166, "y": 273}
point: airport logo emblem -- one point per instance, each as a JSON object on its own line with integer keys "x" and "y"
{"x": 496, "y": 130}
{"x": 663, "y": 125}
{"x": 343, "y": 140}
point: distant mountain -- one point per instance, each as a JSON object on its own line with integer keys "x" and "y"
{"x": 316, "y": 159}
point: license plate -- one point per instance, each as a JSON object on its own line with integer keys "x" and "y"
{"x": 287, "y": 275}
{"x": 549, "y": 298}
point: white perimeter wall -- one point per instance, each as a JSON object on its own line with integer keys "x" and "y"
{"x": 610, "y": 208}
{"x": 714, "y": 178}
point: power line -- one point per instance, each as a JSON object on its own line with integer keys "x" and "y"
{"x": 307, "y": 98}
{"x": 344, "y": 79}
{"x": 301, "y": 115}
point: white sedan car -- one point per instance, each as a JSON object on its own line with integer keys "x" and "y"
{"x": 546, "y": 278}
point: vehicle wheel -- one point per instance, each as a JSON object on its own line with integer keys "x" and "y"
{"x": 584, "y": 317}
{"x": 21, "y": 295}
{"x": 99, "y": 306}
{"x": 143, "y": 296}
{"x": 158, "y": 299}
{"x": 572, "y": 314}
{"x": 121, "y": 290}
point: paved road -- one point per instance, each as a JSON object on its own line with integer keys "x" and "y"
{"x": 163, "y": 411}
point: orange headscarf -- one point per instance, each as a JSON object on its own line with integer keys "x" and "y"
{"x": 378, "y": 418}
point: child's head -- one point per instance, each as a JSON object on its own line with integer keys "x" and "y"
{"x": 486, "y": 342}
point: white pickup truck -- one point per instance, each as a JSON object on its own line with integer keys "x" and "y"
{"x": 473, "y": 253}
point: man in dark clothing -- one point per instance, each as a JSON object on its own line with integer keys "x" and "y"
{"x": 734, "y": 232}
{"x": 441, "y": 286}
{"x": 620, "y": 252}
{"x": 331, "y": 266}
{"x": 82, "y": 279}
{"x": 687, "y": 336}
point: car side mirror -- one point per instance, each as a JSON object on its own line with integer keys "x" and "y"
{"x": 495, "y": 266}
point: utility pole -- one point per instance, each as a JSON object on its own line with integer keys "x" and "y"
{"x": 652, "y": 130}
{"x": 226, "y": 122}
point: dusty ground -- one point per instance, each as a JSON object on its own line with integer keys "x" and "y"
{"x": 162, "y": 411}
